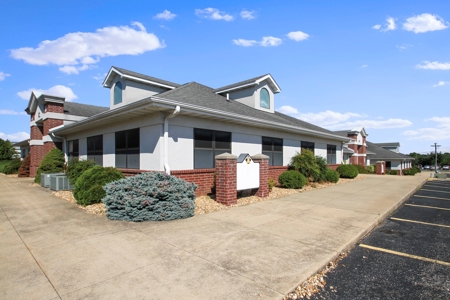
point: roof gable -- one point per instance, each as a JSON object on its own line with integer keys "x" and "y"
{"x": 249, "y": 82}
{"x": 130, "y": 75}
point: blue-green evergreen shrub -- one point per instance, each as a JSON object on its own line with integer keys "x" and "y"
{"x": 89, "y": 186}
{"x": 150, "y": 196}
{"x": 347, "y": 171}
{"x": 292, "y": 179}
{"x": 331, "y": 176}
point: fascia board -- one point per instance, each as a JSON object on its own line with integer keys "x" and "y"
{"x": 133, "y": 78}
{"x": 268, "y": 76}
{"x": 108, "y": 76}
{"x": 254, "y": 121}
{"x": 237, "y": 87}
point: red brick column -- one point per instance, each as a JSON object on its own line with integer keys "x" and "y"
{"x": 263, "y": 161}
{"x": 226, "y": 179}
{"x": 380, "y": 168}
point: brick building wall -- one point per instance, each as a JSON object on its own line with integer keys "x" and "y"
{"x": 275, "y": 171}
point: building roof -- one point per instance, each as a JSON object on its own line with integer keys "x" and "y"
{"x": 137, "y": 77}
{"x": 201, "y": 95}
{"x": 22, "y": 143}
{"x": 249, "y": 82}
{"x": 384, "y": 154}
{"x": 83, "y": 110}
{"x": 396, "y": 144}
{"x": 341, "y": 132}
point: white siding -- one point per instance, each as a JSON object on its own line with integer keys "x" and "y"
{"x": 109, "y": 150}
{"x": 82, "y": 148}
{"x": 181, "y": 147}
{"x": 245, "y": 143}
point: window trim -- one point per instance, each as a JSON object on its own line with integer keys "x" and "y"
{"x": 213, "y": 146}
{"x": 96, "y": 152}
{"x": 273, "y": 151}
{"x": 118, "y": 90}
{"x": 260, "y": 98}
{"x": 128, "y": 149}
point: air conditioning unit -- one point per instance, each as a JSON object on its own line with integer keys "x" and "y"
{"x": 45, "y": 178}
{"x": 60, "y": 183}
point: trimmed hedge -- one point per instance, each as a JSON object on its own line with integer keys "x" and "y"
{"x": 347, "y": 171}
{"x": 53, "y": 162}
{"x": 150, "y": 196}
{"x": 331, "y": 176}
{"x": 292, "y": 179}
{"x": 89, "y": 186}
{"x": 24, "y": 170}
{"x": 77, "y": 167}
{"x": 393, "y": 172}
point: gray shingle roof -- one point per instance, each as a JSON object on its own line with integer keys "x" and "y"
{"x": 83, "y": 110}
{"x": 397, "y": 144}
{"x": 142, "y": 76}
{"x": 201, "y": 95}
{"x": 341, "y": 132}
{"x": 248, "y": 81}
{"x": 382, "y": 153}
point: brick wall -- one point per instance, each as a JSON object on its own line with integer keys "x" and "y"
{"x": 54, "y": 107}
{"x": 333, "y": 167}
{"x": 36, "y": 133}
{"x": 203, "y": 178}
{"x": 275, "y": 171}
{"x": 36, "y": 155}
{"x": 49, "y": 124}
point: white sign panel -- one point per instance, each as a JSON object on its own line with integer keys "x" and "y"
{"x": 247, "y": 174}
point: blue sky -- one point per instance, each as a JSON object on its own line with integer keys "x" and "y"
{"x": 381, "y": 65}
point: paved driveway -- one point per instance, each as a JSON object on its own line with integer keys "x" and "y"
{"x": 50, "y": 249}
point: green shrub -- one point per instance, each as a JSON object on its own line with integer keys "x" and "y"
{"x": 148, "y": 196}
{"x": 416, "y": 169}
{"x": 292, "y": 179}
{"x": 12, "y": 167}
{"x": 393, "y": 172}
{"x": 53, "y": 162}
{"x": 331, "y": 176}
{"x": 89, "y": 186}
{"x": 362, "y": 169}
{"x": 347, "y": 171}
{"x": 305, "y": 163}
{"x": 24, "y": 170}
{"x": 410, "y": 172}
{"x": 371, "y": 169}
{"x": 272, "y": 182}
{"x": 77, "y": 167}
{"x": 323, "y": 168}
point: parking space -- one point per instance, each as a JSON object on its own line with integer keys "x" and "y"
{"x": 406, "y": 257}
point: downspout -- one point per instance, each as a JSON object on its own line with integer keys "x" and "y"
{"x": 64, "y": 146}
{"x": 166, "y": 138}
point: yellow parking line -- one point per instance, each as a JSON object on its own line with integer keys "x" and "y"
{"x": 444, "y": 263}
{"x": 418, "y": 222}
{"x": 434, "y": 191}
{"x": 432, "y": 197}
{"x": 425, "y": 206}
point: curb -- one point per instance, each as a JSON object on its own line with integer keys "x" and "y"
{"x": 349, "y": 245}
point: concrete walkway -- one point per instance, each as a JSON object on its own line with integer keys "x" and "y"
{"x": 50, "y": 249}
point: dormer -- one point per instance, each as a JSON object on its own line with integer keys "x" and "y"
{"x": 258, "y": 92}
{"x": 127, "y": 86}
{"x": 39, "y": 107}
{"x": 358, "y": 135}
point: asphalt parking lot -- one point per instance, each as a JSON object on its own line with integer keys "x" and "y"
{"x": 406, "y": 257}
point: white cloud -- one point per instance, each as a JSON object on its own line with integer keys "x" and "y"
{"x": 390, "y": 24}
{"x": 424, "y": 23}
{"x": 288, "y": 110}
{"x": 335, "y": 120}
{"x": 438, "y": 133}
{"x": 441, "y": 83}
{"x": 270, "y": 41}
{"x": 267, "y": 41}
{"x": 78, "y": 51}
{"x": 11, "y": 112}
{"x": 374, "y": 124}
{"x": 3, "y": 75}
{"x": 298, "y": 36}
{"x": 245, "y": 43}
{"x": 434, "y": 65}
{"x": 15, "y": 137}
{"x": 364, "y": 66}
{"x": 404, "y": 46}
{"x": 213, "y": 14}
{"x": 100, "y": 77}
{"x": 57, "y": 90}
{"x": 247, "y": 15}
{"x": 165, "y": 15}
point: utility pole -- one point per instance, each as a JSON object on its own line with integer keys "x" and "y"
{"x": 435, "y": 156}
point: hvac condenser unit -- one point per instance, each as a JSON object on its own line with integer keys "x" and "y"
{"x": 60, "y": 183}
{"x": 45, "y": 178}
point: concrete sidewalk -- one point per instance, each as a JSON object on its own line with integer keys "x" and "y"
{"x": 50, "y": 249}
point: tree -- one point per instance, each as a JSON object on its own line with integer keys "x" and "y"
{"x": 7, "y": 150}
